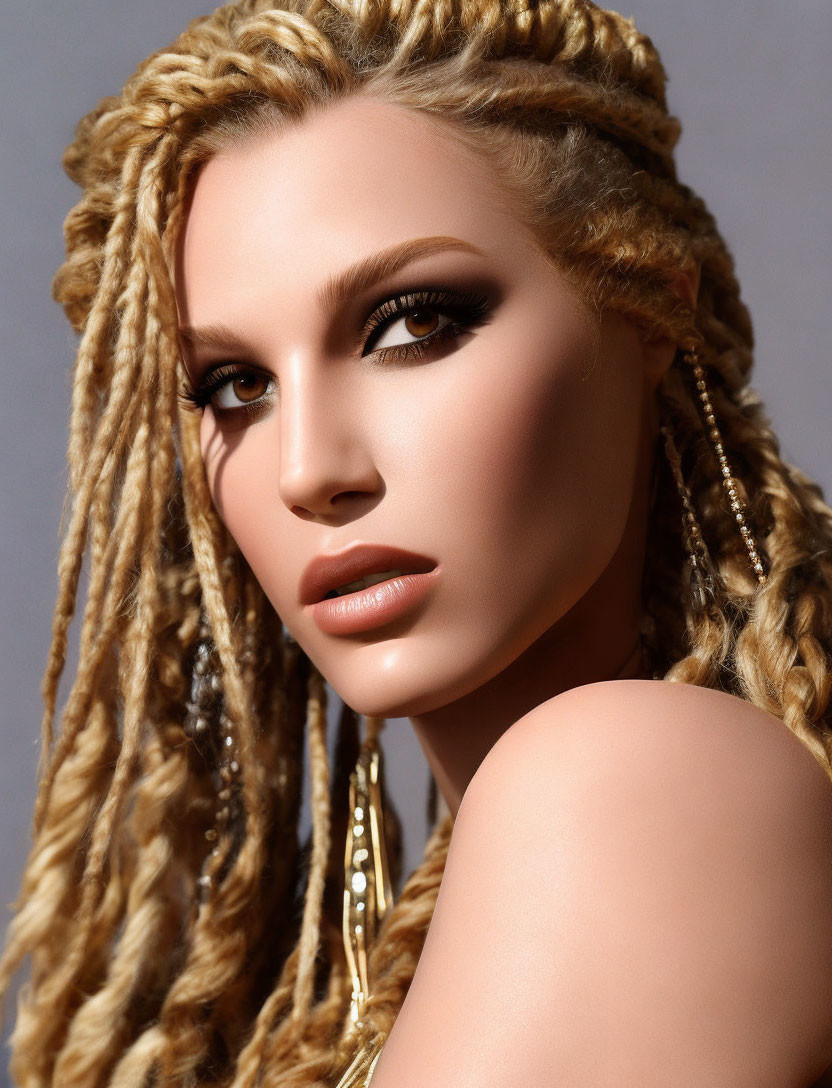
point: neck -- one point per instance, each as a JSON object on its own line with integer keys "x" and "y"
{"x": 576, "y": 651}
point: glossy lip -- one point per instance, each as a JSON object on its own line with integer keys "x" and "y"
{"x": 327, "y": 572}
{"x": 372, "y": 607}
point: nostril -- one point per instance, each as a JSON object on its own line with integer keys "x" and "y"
{"x": 313, "y": 494}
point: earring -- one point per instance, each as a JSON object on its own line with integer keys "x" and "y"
{"x": 691, "y": 357}
{"x": 367, "y": 889}
{"x": 207, "y": 724}
{"x": 702, "y": 575}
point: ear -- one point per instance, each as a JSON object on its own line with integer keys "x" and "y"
{"x": 659, "y": 351}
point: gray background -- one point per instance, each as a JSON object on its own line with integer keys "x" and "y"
{"x": 751, "y": 82}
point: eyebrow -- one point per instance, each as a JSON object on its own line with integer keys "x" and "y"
{"x": 379, "y": 266}
{"x": 358, "y": 277}
{"x": 213, "y": 336}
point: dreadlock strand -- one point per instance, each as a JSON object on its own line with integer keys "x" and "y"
{"x": 138, "y": 638}
{"x": 217, "y": 948}
{"x": 310, "y": 934}
{"x": 101, "y": 462}
{"x": 91, "y": 350}
{"x": 48, "y": 897}
{"x": 107, "y": 592}
{"x": 110, "y": 568}
{"x": 87, "y": 1053}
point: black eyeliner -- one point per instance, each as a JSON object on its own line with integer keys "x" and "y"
{"x": 199, "y": 395}
{"x": 467, "y": 308}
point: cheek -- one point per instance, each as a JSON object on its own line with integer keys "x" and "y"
{"x": 242, "y": 470}
{"x": 535, "y": 459}
{"x": 213, "y": 447}
{"x": 242, "y": 489}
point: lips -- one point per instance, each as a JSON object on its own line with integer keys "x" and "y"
{"x": 328, "y": 572}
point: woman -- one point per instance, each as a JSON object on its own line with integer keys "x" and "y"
{"x": 412, "y": 291}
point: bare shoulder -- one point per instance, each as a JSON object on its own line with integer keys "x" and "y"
{"x": 638, "y": 891}
{"x": 655, "y": 731}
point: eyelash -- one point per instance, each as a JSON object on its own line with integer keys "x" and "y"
{"x": 467, "y": 311}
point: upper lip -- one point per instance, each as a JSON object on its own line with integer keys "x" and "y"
{"x": 326, "y": 572}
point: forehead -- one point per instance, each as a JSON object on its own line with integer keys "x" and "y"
{"x": 352, "y": 177}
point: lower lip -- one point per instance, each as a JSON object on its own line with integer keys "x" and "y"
{"x": 372, "y": 607}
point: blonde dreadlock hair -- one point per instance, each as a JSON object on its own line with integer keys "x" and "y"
{"x": 133, "y": 981}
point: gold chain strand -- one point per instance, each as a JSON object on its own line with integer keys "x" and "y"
{"x": 367, "y": 890}
{"x": 361, "y": 1068}
{"x": 728, "y": 480}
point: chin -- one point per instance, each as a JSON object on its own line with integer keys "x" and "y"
{"x": 392, "y": 690}
{"x": 388, "y": 700}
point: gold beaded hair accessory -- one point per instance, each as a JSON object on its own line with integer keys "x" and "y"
{"x": 368, "y": 892}
{"x": 209, "y": 727}
{"x": 729, "y": 482}
{"x": 704, "y": 579}
{"x": 360, "y": 1071}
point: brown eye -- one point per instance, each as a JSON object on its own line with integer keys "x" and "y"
{"x": 249, "y": 387}
{"x": 240, "y": 389}
{"x": 421, "y": 322}
{"x": 410, "y": 325}
{"x": 422, "y": 325}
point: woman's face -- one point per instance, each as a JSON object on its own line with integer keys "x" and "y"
{"x": 504, "y": 454}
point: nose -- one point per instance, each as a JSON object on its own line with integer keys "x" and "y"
{"x": 326, "y": 462}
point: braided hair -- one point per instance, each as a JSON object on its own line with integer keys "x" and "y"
{"x": 134, "y": 979}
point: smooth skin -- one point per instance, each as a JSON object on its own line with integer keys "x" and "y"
{"x": 636, "y": 896}
{"x": 517, "y": 453}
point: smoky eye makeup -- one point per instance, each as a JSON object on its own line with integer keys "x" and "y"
{"x": 437, "y": 316}
{"x": 226, "y": 383}
{"x": 422, "y": 307}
